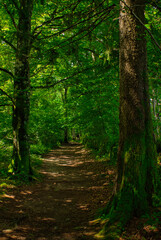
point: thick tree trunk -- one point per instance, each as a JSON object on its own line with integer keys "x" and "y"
{"x": 21, "y": 150}
{"x": 136, "y": 154}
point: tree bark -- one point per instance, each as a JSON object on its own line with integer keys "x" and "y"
{"x": 66, "y": 130}
{"x": 21, "y": 110}
{"x": 136, "y": 154}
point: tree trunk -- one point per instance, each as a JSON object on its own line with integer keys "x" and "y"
{"x": 136, "y": 154}
{"x": 66, "y": 132}
{"x": 21, "y": 149}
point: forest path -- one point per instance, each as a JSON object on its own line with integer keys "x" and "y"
{"x": 61, "y": 206}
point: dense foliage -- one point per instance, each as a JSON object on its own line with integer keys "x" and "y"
{"x": 69, "y": 88}
{"x": 70, "y": 52}
{"x": 74, "y": 47}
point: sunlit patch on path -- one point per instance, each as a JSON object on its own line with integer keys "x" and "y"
{"x": 62, "y": 205}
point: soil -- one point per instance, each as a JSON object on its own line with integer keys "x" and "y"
{"x": 65, "y": 204}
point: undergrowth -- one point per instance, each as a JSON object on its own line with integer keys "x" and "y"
{"x": 9, "y": 180}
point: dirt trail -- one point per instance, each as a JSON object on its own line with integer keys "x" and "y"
{"x": 61, "y": 206}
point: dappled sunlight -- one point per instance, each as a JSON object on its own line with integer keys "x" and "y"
{"x": 84, "y": 207}
{"x": 110, "y": 172}
{"x": 59, "y": 162}
{"x": 63, "y": 161}
{"x": 62, "y": 204}
{"x": 95, "y": 187}
{"x": 8, "y": 196}
{"x": 48, "y": 219}
{"x": 12, "y": 234}
{"x": 89, "y": 173}
{"x": 53, "y": 174}
{"x": 26, "y": 192}
{"x": 150, "y": 229}
{"x": 68, "y": 200}
{"x": 6, "y": 231}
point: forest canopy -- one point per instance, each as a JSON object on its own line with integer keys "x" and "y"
{"x": 85, "y": 71}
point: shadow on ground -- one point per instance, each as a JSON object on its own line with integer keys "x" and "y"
{"x": 63, "y": 204}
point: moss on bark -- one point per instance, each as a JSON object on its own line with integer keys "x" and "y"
{"x": 21, "y": 110}
{"x": 136, "y": 174}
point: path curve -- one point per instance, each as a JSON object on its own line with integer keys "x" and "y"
{"x": 63, "y": 204}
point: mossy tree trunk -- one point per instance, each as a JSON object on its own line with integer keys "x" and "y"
{"x": 136, "y": 154}
{"x": 21, "y": 149}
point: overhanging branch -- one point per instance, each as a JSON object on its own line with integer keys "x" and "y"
{"x": 80, "y": 21}
{"x": 9, "y": 43}
{"x": 60, "y": 81}
{"x": 6, "y": 71}
{"x": 155, "y": 4}
{"x": 4, "y": 105}
{"x": 86, "y": 32}
{"x": 15, "y": 4}
{"x": 6, "y": 94}
{"x": 11, "y": 17}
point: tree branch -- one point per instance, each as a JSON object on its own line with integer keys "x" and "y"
{"x": 44, "y": 23}
{"x": 88, "y": 31}
{"x": 6, "y": 94}
{"x": 76, "y": 5}
{"x": 154, "y": 4}
{"x": 6, "y": 71}
{"x": 79, "y": 21}
{"x": 39, "y": 70}
{"x": 60, "y": 81}
{"x": 16, "y": 5}
{"x": 54, "y": 84}
{"x": 9, "y": 43}
{"x": 4, "y": 105}
{"x": 9, "y": 13}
